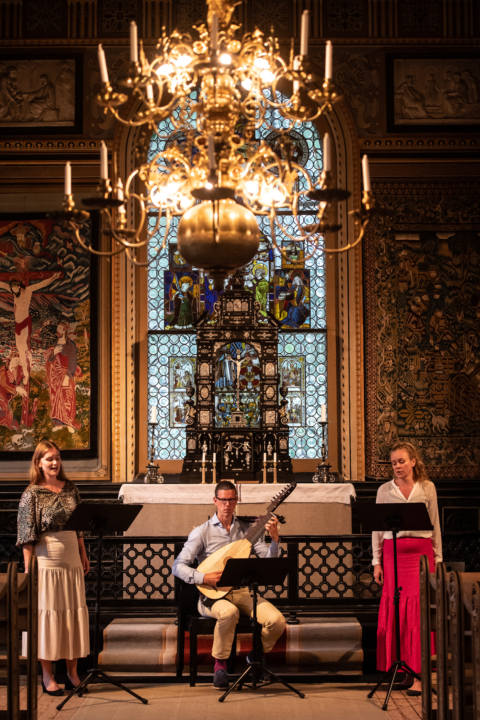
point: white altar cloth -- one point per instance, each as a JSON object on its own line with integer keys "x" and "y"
{"x": 202, "y": 494}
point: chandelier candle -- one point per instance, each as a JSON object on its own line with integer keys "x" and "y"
{"x": 103, "y": 65}
{"x": 133, "y": 42}
{"x": 103, "y": 161}
{"x": 214, "y": 33}
{"x": 327, "y": 166}
{"x": 68, "y": 179}
{"x": 366, "y": 174}
{"x": 304, "y": 33}
{"x": 328, "y": 61}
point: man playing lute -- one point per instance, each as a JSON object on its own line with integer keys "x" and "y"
{"x": 223, "y": 529}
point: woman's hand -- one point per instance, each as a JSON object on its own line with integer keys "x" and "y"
{"x": 378, "y": 574}
{"x": 85, "y": 562}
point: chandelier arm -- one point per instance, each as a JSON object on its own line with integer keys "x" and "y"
{"x": 137, "y": 263}
{"x": 107, "y": 253}
{"x": 351, "y": 245}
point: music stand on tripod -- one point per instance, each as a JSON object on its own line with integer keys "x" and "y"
{"x": 100, "y": 518}
{"x": 394, "y": 517}
{"x": 251, "y": 573}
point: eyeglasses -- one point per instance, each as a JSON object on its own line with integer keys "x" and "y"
{"x": 227, "y": 500}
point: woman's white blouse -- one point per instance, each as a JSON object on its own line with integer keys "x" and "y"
{"x": 422, "y": 492}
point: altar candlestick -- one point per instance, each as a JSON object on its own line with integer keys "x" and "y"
{"x": 103, "y": 64}
{"x": 304, "y": 33}
{"x": 275, "y": 468}
{"x": 214, "y": 466}
{"x": 68, "y": 179}
{"x": 133, "y": 42}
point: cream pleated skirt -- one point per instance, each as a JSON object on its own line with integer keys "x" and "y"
{"x": 62, "y": 609}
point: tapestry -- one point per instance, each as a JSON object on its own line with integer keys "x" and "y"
{"x": 45, "y": 336}
{"x": 422, "y": 318}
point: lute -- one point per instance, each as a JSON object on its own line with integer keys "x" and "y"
{"x": 240, "y": 548}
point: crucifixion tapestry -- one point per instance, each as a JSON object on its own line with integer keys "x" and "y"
{"x": 45, "y": 337}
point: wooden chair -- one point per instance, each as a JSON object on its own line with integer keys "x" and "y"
{"x": 19, "y": 612}
{"x": 189, "y": 620}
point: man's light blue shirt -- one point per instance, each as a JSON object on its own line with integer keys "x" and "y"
{"x": 211, "y": 536}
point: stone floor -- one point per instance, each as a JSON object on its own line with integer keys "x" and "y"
{"x": 180, "y": 702}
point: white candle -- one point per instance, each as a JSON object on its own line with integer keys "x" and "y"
{"x": 103, "y": 161}
{"x": 296, "y": 84}
{"x": 211, "y": 153}
{"x": 324, "y": 413}
{"x": 327, "y": 166}
{"x": 214, "y": 32}
{"x": 274, "y": 457}
{"x": 149, "y": 92}
{"x": 214, "y": 457}
{"x": 328, "y": 61}
{"x": 133, "y": 42}
{"x": 120, "y": 196}
{"x": 203, "y": 458}
{"x": 366, "y": 174}
{"x": 153, "y": 414}
{"x": 103, "y": 64}
{"x": 304, "y": 33}
{"x": 264, "y": 457}
{"x": 68, "y": 179}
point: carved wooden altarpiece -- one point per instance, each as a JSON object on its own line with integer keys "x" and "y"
{"x": 237, "y": 411}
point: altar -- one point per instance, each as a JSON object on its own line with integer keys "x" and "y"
{"x": 169, "y": 510}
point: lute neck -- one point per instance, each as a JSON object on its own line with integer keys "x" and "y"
{"x": 258, "y": 528}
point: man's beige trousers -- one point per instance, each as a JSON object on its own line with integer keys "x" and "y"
{"x": 227, "y": 611}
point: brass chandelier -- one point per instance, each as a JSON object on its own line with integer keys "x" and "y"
{"x": 217, "y": 90}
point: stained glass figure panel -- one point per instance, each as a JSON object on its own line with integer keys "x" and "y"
{"x": 237, "y": 383}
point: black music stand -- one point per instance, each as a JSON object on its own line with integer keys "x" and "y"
{"x": 251, "y": 573}
{"x": 100, "y": 518}
{"x": 394, "y": 517}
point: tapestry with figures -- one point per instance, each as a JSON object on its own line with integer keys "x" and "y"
{"x": 45, "y": 336}
{"x": 422, "y": 279}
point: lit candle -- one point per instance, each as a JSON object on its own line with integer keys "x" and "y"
{"x": 133, "y": 42}
{"x": 214, "y": 32}
{"x": 326, "y": 153}
{"x": 274, "y": 457}
{"x": 149, "y": 92}
{"x": 211, "y": 153}
{"x": 68, "y": 179}
{"x": 324, "y": 413}
{"x": 103, "y": 161}
{"x": 366, "y": 174}
{"x": 120, "y": 196}
{"x": 328, "y": 61}
{"x": 103, "y": 64}
{"x": 153, "y": 414}
{"x": 304, "y": 33}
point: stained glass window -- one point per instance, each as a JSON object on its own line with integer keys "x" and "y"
{"x": 291, "y": 288}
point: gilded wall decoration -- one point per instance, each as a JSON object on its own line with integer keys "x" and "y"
{"x": 433, "y": 93}
{"x": 359, "y": 78}
{"x": 422, "y": 278}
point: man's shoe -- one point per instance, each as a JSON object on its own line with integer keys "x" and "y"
{"x": 264, "y": 676}
{"x": 220, "y": 680}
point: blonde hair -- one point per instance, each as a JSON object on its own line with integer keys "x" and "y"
{"x": 419, "y": 470}
{"x": 36, "y": 473}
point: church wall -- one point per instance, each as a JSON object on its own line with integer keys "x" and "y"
{"x": 412, "y": 167}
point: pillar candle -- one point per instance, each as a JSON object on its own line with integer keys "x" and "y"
{"x": 103, "y": 64}
{"x": 133, "y": 42}
{"x": 214, "y": 457}
{"x": 214, "y": 32}
{"x": 274, "y": 457}
{"x": 304, "y": 33}
{"x": 326, "y": 153}
{"x": 68, "y": 179}
{"x": 324, "y": 413}
{"x": 103, "y": 161}
{"x": 328, "y": 61}
{"x": 366, "y": 174}
{"x": 153, "y": 414}
{"x": 264, "y": 457}
{"x": 203, "y": 458}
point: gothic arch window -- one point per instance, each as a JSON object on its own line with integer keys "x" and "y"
{"x": 293, "y": 289}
